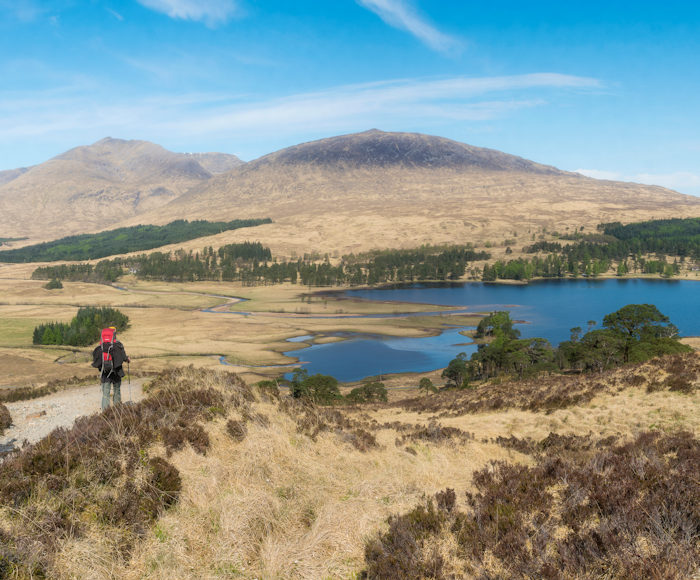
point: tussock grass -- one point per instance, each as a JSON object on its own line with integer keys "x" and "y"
{"x": 289, "y": 490}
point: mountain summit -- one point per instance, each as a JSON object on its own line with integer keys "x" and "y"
{"x": 342, "y": 194}
{"x": 374, "y": 148}
{"x": 92, "y": 187}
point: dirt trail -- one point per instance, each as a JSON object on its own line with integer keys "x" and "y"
{"x": 36, "y": 418}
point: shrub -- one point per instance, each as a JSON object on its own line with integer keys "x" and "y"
{"x": 368, "y": 393}
{"x": 5, "y": 418}
{"x": 53, "y": 284}
{"x": 427, "y": 385}
{"x": 236, "y": 429}
{"x": 625, "y": 511}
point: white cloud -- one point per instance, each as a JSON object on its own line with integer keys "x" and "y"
{"x": 683, "y": 181}
{"x": 84, "y": 111}
{"x": 382, "y": 103}
{"x": 400, "y": 14}
{"x": 211, "y": 12}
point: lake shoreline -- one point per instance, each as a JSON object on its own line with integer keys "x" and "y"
{"x": 549, "y": 307}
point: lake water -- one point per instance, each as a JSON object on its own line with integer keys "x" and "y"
{"x": 549, "y": 309}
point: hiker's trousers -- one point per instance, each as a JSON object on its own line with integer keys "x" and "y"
{"x": 105, "y": 393}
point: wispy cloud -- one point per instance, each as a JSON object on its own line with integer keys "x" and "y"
{"x": 683, "y": 181}
{"x": 114, "y": 13}
{"x": 23, "y": 10}
{"x": 211, "y": 12}
{"x": 84, "y": 111}
{"x": 390, "y": 102}
{"x": 404, "y": 16}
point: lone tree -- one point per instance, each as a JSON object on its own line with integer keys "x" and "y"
{"x": 321, "y": 389}
{"x": 368, "y": 393}
{"x": 639, "y": 323}
{"x": 427, "y": 385}
{"x": 459, "y": 371}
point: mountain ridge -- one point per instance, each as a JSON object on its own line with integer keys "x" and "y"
{"x": 341, "y": 194}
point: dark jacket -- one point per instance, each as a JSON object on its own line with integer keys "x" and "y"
{"x": 119, "y": 357}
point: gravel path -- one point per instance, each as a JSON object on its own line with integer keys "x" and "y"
{"x": 34, "y": 419}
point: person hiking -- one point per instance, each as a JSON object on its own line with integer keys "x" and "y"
{"x": 108, "y": 357}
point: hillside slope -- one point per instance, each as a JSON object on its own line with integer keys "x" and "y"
{"x": 208, "y": 477}
{"x": 91, "y": 188}
{"x": 378, "y": 190}
{"x": 338, "y": 195}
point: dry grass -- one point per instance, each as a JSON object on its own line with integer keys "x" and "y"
{"x": 279, "y": 504}
{"x": 346, "y": 211}
{"x": 272, "y": 488}
{"x": 168, "y": 326}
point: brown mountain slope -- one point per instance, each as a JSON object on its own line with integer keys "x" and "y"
{"x": 91, "y": 188}
{"x": 216, "y": 162}
{"x": 378, "y": 149}
{"x": 10, "y": 174}
{"x": 380, "y": 190}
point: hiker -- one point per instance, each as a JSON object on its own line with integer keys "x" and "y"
{"x": 108, "y": 357}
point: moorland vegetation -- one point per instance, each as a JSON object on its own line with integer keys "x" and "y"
{"x": 211, "y": 477}
{"x": 559, "y": 518}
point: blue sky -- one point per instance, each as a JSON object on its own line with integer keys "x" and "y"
{"x": 609, "y": 88}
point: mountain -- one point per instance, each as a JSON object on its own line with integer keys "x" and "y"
{"x": 216, "y": 162}
{"x": 93, "y": 187}
{"x": 337, "y": 195}
{"x": 378, "y": 149}
{"x": 378, "y": 190}
{"x": 10, "y": 174}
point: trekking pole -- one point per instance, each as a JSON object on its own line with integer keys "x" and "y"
{"x": 128, "y": 374}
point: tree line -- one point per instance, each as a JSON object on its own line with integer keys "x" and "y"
{"x": 123, "y": 240}
{"x": 252, "y": 263}
{"x": 634, "y": 333}
{"x": 625, "y": 248}
{"x": 83, "y": 330}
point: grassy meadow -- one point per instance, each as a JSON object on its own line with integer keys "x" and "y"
{"x": 169, "y": 324}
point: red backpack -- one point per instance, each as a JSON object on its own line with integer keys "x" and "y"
{"x": 108, "y": 337}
